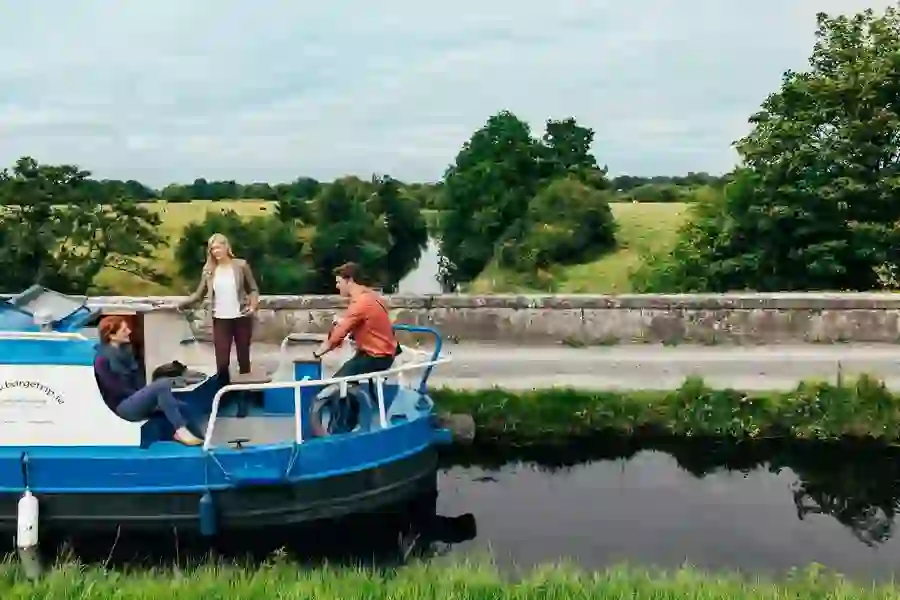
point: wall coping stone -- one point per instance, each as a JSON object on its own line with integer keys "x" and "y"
{"x": 735, "y": 301}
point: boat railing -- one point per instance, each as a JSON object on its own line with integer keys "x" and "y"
{"x": 347, "y": 346}
{"x": 378, "y": 378}
{"x": 41, "y": 335}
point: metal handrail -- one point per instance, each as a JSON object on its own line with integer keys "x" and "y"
{"x": 43, "y": 335}
{"x": 378, "y": 377}
{"x": 320, "y": 337}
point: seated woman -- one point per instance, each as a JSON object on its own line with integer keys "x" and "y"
{"x": 123, "y": 385}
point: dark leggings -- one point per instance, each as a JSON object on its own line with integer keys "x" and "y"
{"x": 225, "y": 331}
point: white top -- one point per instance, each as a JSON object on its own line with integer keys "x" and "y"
{"x": 225, "y": 298}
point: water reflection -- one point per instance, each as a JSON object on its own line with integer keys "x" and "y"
{"x": 391, "y": 537}
{"x": 763, "y": 506}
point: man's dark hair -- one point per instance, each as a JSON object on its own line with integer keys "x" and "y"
{"x": 349, "y": 270}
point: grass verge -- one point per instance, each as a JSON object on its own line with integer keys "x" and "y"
{"x": 644, "y": 227}
{"x": 435, "y": 581}
{"x": 863, "y": 409}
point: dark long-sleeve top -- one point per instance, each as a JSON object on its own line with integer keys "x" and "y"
{"x": 114, "y": 387}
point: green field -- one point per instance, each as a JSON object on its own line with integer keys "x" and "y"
{"x": 642, "y": 227}
{"x": 175, "y": 216}
{"x": 433, "y": 581}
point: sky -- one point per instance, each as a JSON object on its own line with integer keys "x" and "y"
{"x": 269, "y": 90}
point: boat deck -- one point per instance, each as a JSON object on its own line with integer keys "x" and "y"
{"x": 257, "y": 430}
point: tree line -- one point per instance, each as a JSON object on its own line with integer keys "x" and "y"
{"x": 629, "y": 188}
{"x": 814, "y": 203}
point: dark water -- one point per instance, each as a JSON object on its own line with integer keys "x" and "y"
{"x": 763, "y": 508}
{"x": 760, "y": 508}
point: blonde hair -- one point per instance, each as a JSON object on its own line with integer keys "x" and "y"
{"x": 211, "y": 262}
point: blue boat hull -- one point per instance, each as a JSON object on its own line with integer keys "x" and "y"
{"x": 249, "y": 507}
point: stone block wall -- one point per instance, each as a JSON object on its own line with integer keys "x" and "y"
{"x": 600, "y": 320}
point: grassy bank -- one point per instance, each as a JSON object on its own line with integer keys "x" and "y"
{"x": 862, "y": 408}
{"x": 422, "y": 582}
{"x": 643, "y": 227}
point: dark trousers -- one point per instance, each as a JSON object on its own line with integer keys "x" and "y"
{"x": 362, "y": 363}
{"x": 226, "y": 331}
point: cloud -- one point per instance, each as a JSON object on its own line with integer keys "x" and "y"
{"x": 168, "y": 91}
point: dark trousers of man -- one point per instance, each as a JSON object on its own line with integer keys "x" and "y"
{"x": 226, "y": 331}
{"x": 362, "y": 363}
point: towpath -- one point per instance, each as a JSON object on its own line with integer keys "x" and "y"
{"x": 627, "y": 367}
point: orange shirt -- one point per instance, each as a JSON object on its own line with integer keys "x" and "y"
{"x": 369, "y": 323}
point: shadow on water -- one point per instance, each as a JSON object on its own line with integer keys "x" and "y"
{"x": 763, "y": 505}
{"x": 389, "y": 538}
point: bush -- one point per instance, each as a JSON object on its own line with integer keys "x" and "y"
{"x": 813, "y": 411}
{"x": 567, "y": 222}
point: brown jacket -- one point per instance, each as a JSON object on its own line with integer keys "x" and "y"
{"x": 246, "y": 286}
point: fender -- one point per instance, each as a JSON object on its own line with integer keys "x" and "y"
{"x": 345, "y": 414}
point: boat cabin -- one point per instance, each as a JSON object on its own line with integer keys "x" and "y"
{"x": 48, "y": 393}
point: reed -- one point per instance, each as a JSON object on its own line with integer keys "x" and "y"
{"x": 438, "y": 581}
{"x": 860, "y": 409}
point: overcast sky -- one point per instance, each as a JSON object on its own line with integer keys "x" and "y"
{"x": 170, "y": 90}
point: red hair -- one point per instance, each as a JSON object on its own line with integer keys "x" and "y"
{"x": 109, "y": 326}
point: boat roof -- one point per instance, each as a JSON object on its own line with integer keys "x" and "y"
{"x": 65, "y": 313}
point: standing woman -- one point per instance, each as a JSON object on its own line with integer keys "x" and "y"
{"x": 227, "y": 286}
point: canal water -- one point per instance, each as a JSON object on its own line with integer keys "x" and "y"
{"x": 759, "y": 509}
{"x": 753, "y": 509}
{"x": 424, "y": 278}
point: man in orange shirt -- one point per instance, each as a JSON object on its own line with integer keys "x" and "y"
{"x": 367, "y": 321}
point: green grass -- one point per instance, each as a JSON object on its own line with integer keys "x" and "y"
{"x": 444, "y": 581}
{"x": 175, "y": 216}
{"x": 860, "y": 409}
{"x": 643, "y": 227}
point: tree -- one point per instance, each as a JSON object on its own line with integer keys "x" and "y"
{"x": 816, "y": 203}
{"x": 271, "y": 246}
{"x": 567, "y": 222}
{"x": 346, "y": 231}
{"x": 487, "y": 189}
{"x": 407, "y": 232}
{"x": 55, "y": 231}
{"x": 566, "y": 150}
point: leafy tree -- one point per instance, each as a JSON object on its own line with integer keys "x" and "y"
{"x": 816, "y": 202}
{"x": 567, "y": 222}
{"x": 272, "y": 247}
{"x": 290, "y": 209}
{"x": 55, "y": 230}
{"x": 407, "y": 232}
{"x": 346, "y": 231}
{"x": 566, "y": 150}
{"x": 487, "y": 192}
{"x": 487, "y": 189}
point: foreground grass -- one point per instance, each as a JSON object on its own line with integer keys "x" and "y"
{"x": 420, "y": 582}
{"x": 643, "y": 227}
{"x": 863, "y": 408}
{"x": 175, "y": 217}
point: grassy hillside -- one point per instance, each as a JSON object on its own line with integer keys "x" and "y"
{"x": 643, "y": 227}
{"x": 175, "y": 216}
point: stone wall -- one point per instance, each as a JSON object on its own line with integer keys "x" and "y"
{"x": 603, "y": 320}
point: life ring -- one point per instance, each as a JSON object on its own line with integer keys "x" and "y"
{"x": 344, "y": 414}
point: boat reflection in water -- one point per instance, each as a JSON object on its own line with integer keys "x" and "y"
{"x": 390, "y": 537}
